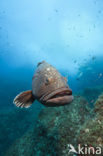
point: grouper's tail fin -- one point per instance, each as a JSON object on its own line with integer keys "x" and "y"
{"x": 24, "y": 99}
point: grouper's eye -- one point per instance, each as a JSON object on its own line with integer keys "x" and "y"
{"x": 49, "y": 80}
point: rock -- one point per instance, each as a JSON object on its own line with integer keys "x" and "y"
{"x": 91, "y": 133}
{"x": 55, "y": 129}
{"x": 24, "y": 146}
{"x": 14, "y": 123}
{"x": 99, "y": 105}
{"x": 91, "y": 94}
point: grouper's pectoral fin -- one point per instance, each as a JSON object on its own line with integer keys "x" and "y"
{"x": 24, "y": 99}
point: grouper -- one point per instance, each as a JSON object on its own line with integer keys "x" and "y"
{"x": 49, "y": 87}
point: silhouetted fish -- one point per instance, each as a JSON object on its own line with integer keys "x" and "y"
{"x": 49, "y": 87}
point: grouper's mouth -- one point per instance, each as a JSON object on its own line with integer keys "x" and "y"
{"x": 59, "y": 97}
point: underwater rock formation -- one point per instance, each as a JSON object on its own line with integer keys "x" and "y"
{"x": 91, "y": 94}
{"x": 99, "y": 105}
{"x": 91, "y": 133}
{"x": 14, "y": 123}
{"x": 55, "y": 129}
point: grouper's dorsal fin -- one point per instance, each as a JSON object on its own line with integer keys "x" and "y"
{"x": 40, "y": 63}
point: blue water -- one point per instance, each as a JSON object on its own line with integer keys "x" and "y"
{"x": 66, "y": 34}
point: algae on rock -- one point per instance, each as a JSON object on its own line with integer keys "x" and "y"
{"x": 91, "y": 132}
{"x": 14, "y": 123}
{"x": 55, "y": 129}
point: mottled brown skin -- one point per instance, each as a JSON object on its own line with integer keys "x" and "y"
{"x": 49, "y": 87}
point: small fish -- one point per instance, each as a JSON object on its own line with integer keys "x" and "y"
{"x": 89, "y": 68}
{"x": 55, "y": 10}
{"x": 75, "y": 61}
{"x": 49, "y": 87}
{"x": 100, "y": 75}
{"x": 80, "y": 75}
{"x": 93, "y": 58}
{"x": 77, "y": 79}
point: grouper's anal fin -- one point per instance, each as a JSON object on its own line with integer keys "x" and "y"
{"x": 24, "y": 99}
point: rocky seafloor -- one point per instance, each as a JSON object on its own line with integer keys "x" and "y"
{"x": 91, "y": 133}
{"x": 56, "y": 128}
{"x": 14, "y": 122}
